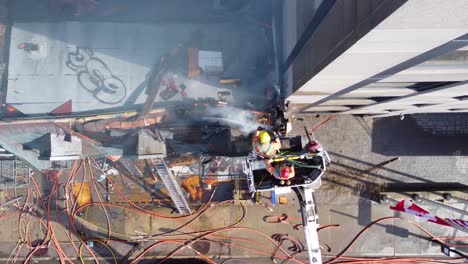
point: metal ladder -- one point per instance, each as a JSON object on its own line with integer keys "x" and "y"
{"x": 172, "y": 186}
{"x": 310, "y": 222}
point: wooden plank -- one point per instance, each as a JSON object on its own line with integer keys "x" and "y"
{"x": 154, "y": 83}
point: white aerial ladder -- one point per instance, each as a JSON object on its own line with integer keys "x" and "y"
{"x": 310, "y": 223}
{"x": 304, "y": 189}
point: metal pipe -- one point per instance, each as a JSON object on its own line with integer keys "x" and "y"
{"x": 448, "y": 196}
{"x": 19, "y": 198}
{"x": 418, "y": 198}
{"x": 387, "y": 199}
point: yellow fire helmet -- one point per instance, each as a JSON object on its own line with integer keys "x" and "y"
{"x": 264, "y": 137}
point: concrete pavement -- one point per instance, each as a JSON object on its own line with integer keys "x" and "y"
{"x": 351, "y": 186}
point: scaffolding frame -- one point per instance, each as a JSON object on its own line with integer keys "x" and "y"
{"x": 14, "y": 173}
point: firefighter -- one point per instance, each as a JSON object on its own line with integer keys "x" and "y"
{"x": 265, "y": 143}
{"x": 313, "y": 147}
{"x": 283, "y": 171}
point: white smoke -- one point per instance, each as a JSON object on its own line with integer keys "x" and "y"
{"x": 232, "y": 117}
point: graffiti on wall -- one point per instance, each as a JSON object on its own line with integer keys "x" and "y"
{"x": 95, "y": 76}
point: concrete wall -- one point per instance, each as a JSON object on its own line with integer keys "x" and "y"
{"x": 346, "y": 23}
{"x": 362, "y": 52}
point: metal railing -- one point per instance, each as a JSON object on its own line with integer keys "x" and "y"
{"x": 14, "y": 173}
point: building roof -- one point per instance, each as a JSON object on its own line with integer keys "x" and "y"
{"x": 99, "y": 66}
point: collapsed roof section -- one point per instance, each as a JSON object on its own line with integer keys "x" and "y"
{"x": 100, "y": 77}
{"x": 161, "y": 133}
{"x": 45, "y": 144}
